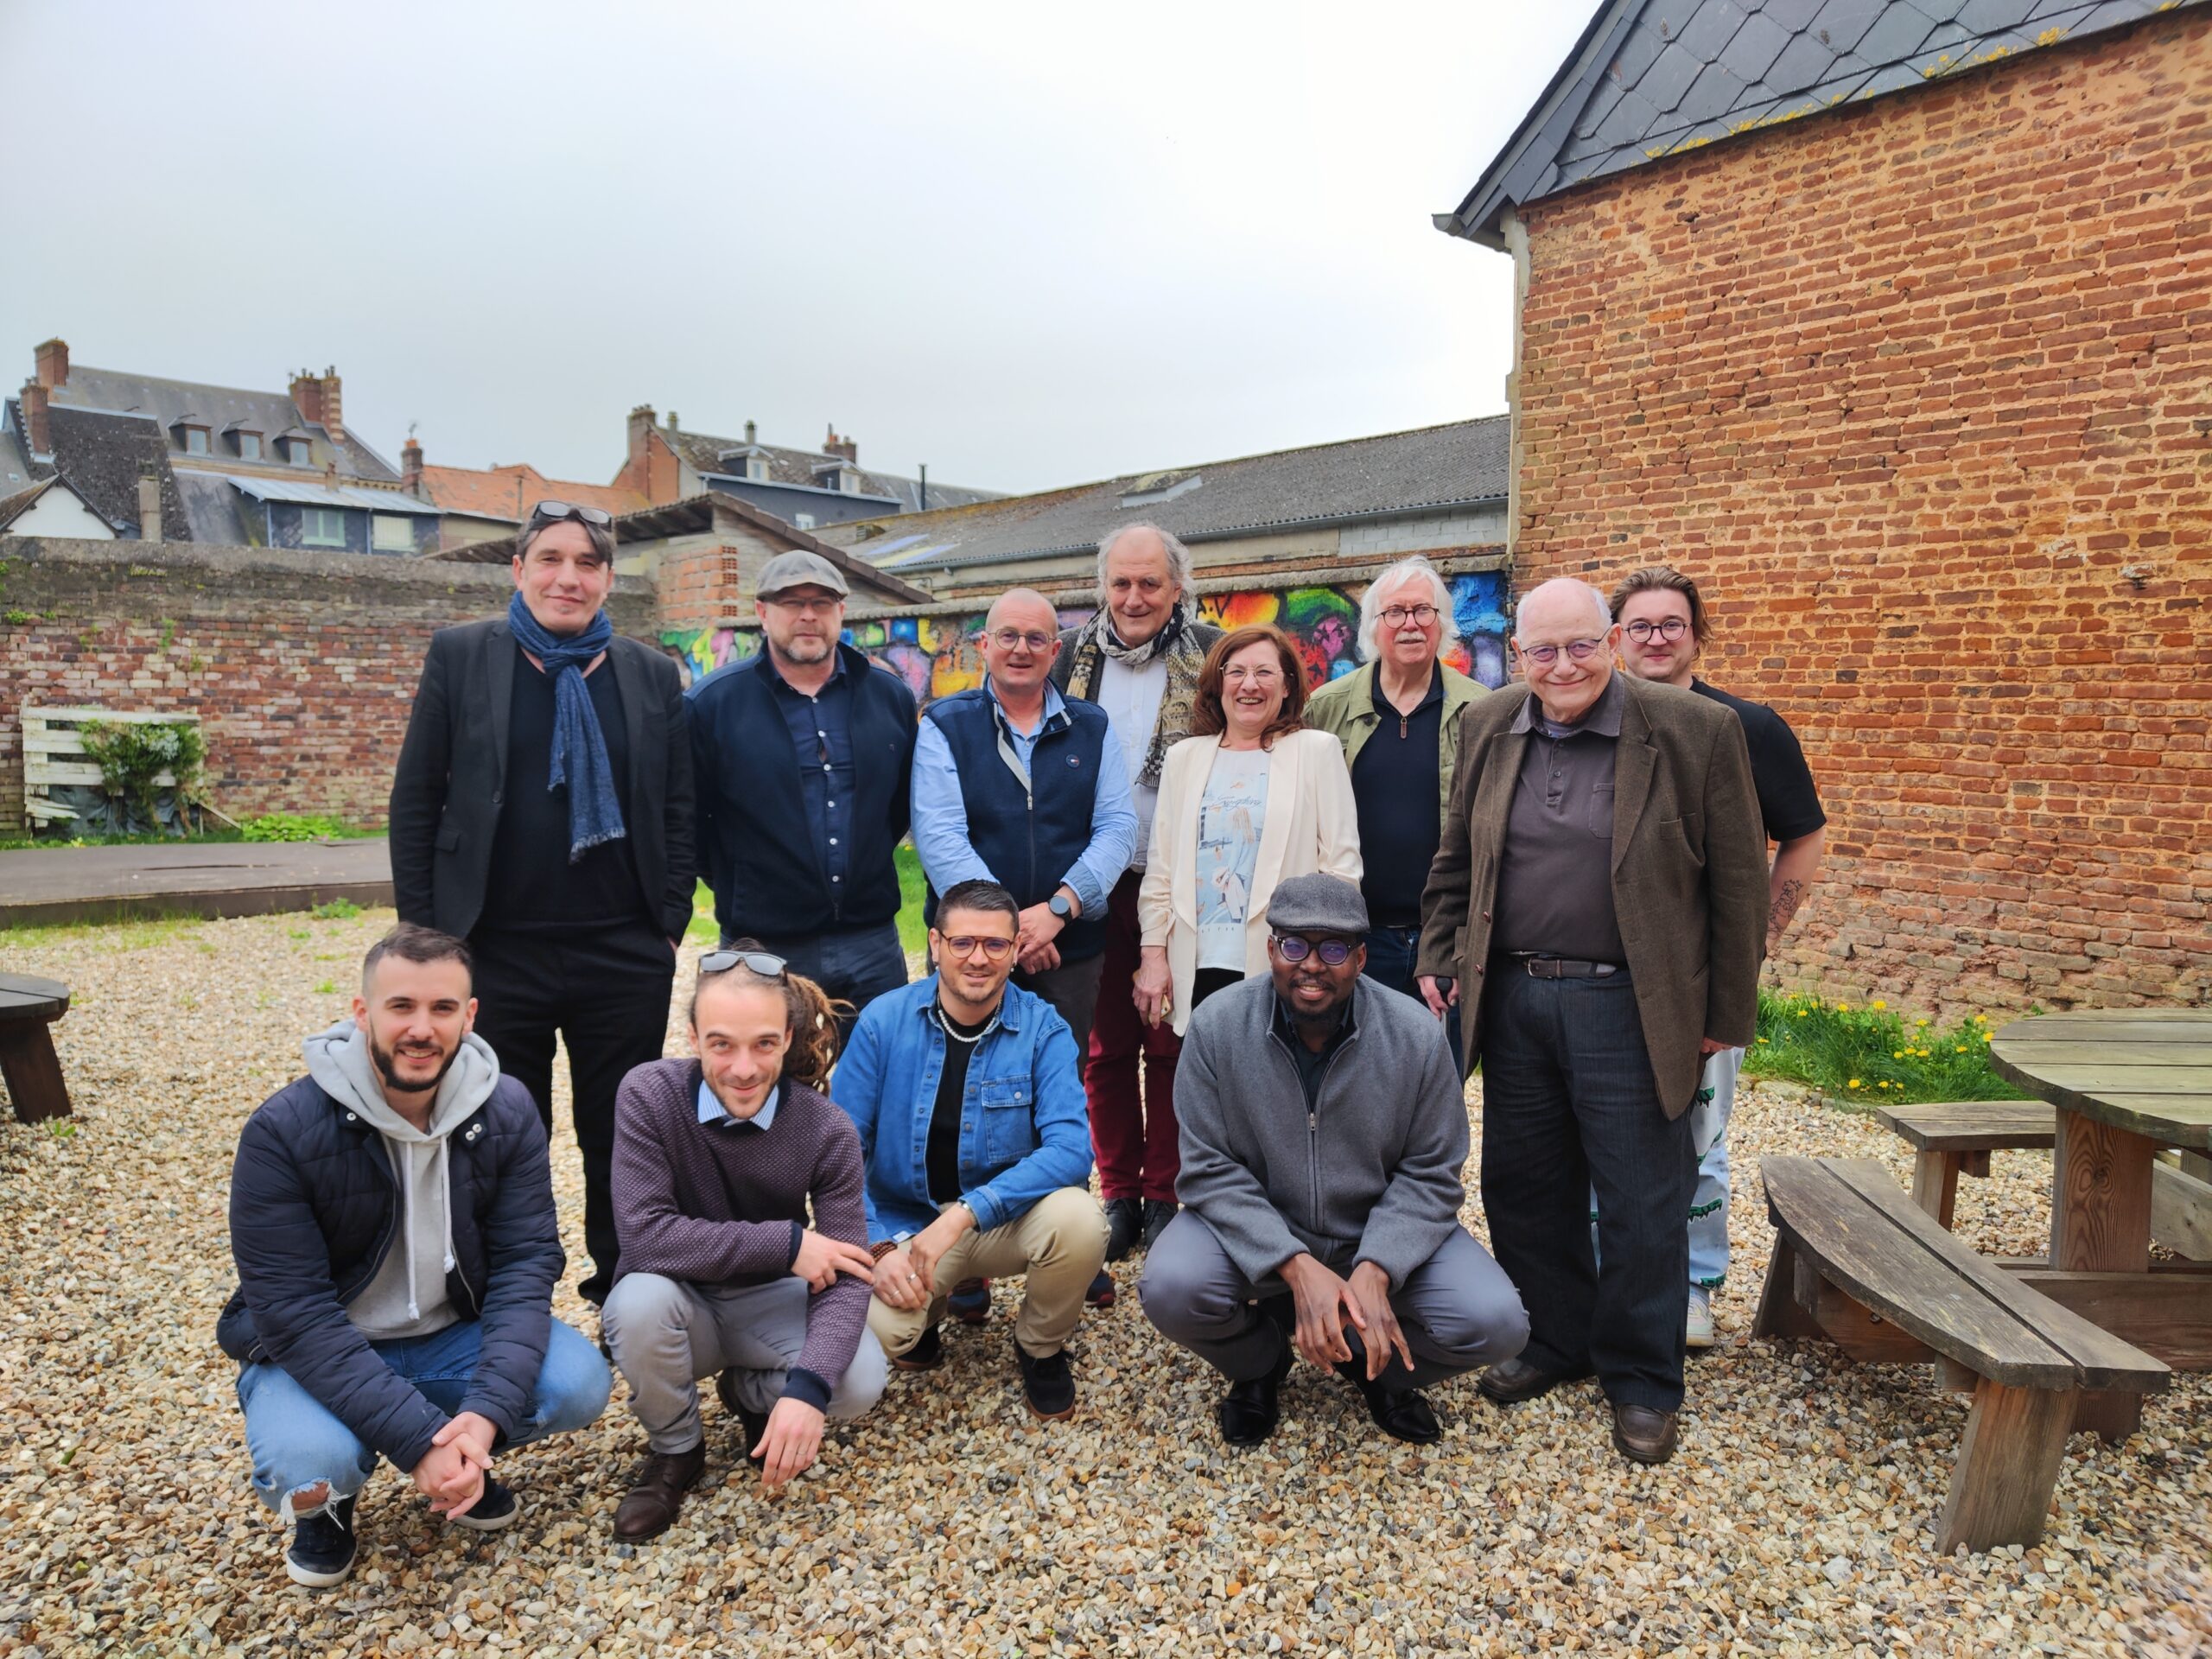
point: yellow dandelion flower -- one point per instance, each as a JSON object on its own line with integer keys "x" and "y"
{"x": 1854, "y": 1082}
{"x": 1878, "y": 1004}
{"x": 1896, "y": 1054}
{"x": 1802, "y": 1013}
{"x": 1961, "y": 1049}
{"x": 1920, "y": 1022}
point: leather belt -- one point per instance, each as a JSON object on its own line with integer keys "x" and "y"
{"x": 1543, "y": 967}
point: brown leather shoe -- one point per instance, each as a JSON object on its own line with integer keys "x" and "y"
{"x": 656, "y": 1497}
{"x": 1511, "y": 1381}
{"x": 1642, "y": 1435}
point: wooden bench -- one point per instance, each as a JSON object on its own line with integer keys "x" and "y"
{"x": 1857, "y": 1262}
{"x": 28, "y": 1008}
{"x": 1954, "y": 1138}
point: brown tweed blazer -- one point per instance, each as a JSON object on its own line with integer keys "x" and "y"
{"x": 1689, "y": 871}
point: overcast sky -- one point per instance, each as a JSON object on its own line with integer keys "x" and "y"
{"x": 1028, "y": 245}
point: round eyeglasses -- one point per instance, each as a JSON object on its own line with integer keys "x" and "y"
{"x": 1334, "y": 953}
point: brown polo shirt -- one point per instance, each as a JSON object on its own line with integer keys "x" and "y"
{"x": 1555, "y": 873}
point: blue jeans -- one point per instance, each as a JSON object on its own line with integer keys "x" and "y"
{"x": 855, "y": 966}
{"x": 1391, "y": 952}
{"x": 295, "y": 1441}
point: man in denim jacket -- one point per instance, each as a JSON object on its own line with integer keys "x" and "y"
{"x": 968, "y": 1094}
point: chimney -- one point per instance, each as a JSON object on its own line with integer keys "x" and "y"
{"x": 672, "y": 420}
{"x": 37, "y": 429}
{"x": 834, "y": 445}
{"x": 306, "y": 393}
{"x": 410, "y": 468}
{"x": 150, "y": 505}
{"x": 749, "y": 429}
{"x": 317, "y": 395}
{"x": 334, "y": 416}
{"x": 641, "y": 425}
{"x": 52, "y": 362}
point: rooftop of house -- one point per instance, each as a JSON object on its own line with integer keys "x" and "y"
{"x": 1395, "y": 474}
{"x": 509, "y": 493}
{"x": 1651, "y": 78}
{"x": 711, "y": 456}
{"x": 221, "y": 410}
{"x": 103, "y": 456}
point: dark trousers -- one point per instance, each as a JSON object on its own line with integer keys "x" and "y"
{"x": 1569, "y": 1106}
{"x": 1390, "y": 955}
{"x": 1072, "y": 990}
{"x": 606, "y": 992}
{"x": 1132, "y": 1129}
{"x": 857, "y": 966}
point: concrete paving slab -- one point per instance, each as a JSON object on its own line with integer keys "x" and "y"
{"x": 43, "y": 887}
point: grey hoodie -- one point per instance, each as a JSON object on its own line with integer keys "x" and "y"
{"x": 407, "y": 1297}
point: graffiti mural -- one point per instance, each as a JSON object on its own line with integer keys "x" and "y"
{"x": 937, "y": 656}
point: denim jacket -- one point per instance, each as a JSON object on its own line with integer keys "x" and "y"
{"x": 1024, "y": 1131}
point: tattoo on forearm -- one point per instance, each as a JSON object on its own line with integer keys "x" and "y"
{"x": 1784, "y": 907}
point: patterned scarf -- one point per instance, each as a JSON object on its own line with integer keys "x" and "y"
{"x": 579, "y": 759}
{"x": 1096, "y": 641}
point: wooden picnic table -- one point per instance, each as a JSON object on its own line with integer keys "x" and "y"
{"x": 29, "y": 1065}
{"x": 2126, "y": 1083}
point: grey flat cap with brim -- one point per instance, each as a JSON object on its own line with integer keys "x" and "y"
{"x": 1318, "y": 904}
{"x": 799, "y": 568}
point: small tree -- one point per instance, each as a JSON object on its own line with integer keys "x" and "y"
{"x": 130, "y": 757}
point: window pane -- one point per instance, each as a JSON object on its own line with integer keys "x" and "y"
{"x": 249, "y": 446}
{"x": 195, "y": 440}
{"x": 390, "y": 532}
{"x": 322, "y": 527}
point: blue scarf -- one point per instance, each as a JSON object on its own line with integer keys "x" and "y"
{"x": 578, "y": 747}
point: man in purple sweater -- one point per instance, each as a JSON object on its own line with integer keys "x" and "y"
{"x": 715, "y": 1162}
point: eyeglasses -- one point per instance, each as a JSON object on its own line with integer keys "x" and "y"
{"x": 757, "y": 962}
{"x": 550, "y": 510}
{"x": 966, "y": 944}
{"x": 1334, "y": 953}
{"x": 1544, "y": 656}
{"x": 805, "y": 607}
{"x": 1673, "y": 627}
{"x": 1420, "y": 615}
{"x": 1251, "y": 676}
{"x": 1010, "y": 639}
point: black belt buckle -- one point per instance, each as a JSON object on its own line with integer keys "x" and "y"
{"x": 1565, "y": 967}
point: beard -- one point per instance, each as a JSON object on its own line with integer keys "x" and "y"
{"x": 387, "y": 1069}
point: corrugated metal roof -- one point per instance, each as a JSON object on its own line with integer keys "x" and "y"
{"x": 327, "y": 495}
{"x": 1651, "y": 78}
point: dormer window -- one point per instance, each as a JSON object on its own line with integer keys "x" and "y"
{"x": 839, "y": 476}
{"x": 249, "y": 446}
{"x": 191, "y": 437}
{"x": 295, "y": 451}
{"x": 756, "y": 468}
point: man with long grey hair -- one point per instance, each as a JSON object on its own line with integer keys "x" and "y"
{"x": 1138, "y": 658}
{"x": 1397, "y": 716}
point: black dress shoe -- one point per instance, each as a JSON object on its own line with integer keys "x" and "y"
{"x": 1247, "y": 1414}
{"x": 1642, "y": 1434}
{"x": 1158, "y": 1212}
{"x": 1124, "y": 1226}
{"x": 1511, "y": 1381}
{"x": 926, "y": 1355}
{"x": 1400, "y": 1410}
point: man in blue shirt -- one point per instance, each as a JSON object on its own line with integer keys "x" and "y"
{"x": 968, "y": 1099}
{"x": 798, "y": 836}
{"x": 1016, "y": 784}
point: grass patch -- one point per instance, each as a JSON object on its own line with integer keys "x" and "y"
{"x": 912, "y": 931}
{"x": 1866, "y": 1051}
{"x": 337, "y": 910}
{"x": 25, "y": 843}
{"x": 298, "y": 826}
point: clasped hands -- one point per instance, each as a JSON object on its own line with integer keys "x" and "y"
{"x": 1325, "y": 1301}
{"x": 906, "y": 1278}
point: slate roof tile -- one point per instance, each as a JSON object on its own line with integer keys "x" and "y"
{"x": 1754, "y": 50}
{"x": 1899, "y": 32}
{"x": 1711, "y": 27}
{"x": 1666, "y": 81}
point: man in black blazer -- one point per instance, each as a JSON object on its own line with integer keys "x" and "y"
{"x": 542, "y": 811}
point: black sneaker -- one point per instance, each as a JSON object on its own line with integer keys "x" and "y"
{"x": 1048, "y": 1383}
{"x": 1158, "y": 1212}
{"x": 494, "y": 1511}
{"x": 321, "y": 1553}
{"x": 1124, "y": 1226}
{"x": 927, "y": 1353}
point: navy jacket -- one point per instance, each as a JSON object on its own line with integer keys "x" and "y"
{"x": 1028, "y": 838}
{"x": 313, "y": 1208}
{"x": 758, "y": 853}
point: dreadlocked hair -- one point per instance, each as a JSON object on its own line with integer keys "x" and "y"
{"x": 810, "y": 1014}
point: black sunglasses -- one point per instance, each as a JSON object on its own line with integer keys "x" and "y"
{"x": 1334, "y": 953}
{"x": 549, "y": 511}
{"x": 758, "y": 962}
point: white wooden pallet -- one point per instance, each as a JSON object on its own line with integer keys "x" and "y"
{"x": 55, "y": 753}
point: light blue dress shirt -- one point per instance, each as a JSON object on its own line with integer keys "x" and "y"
{"x": 941, "y": 812}
{"x": 711, "y": 1110}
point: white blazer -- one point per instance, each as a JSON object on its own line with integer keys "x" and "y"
{"x": 1313, "y": 823}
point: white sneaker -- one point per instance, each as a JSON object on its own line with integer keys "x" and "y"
{"x": 1700, "y": 1317}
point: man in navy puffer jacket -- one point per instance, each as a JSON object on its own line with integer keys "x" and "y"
{"x": 392, "y": 1221}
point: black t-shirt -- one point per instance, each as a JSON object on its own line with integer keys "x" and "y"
{"x": 944, "y": 1155}
{"x": 1395, "y": 780}
{"x": 1788, "y": 802}
{"x": 532, "y": 885}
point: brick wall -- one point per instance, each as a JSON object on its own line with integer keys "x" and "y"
{"x": 1922, "y": 392}
{"x": 303, "y": 666}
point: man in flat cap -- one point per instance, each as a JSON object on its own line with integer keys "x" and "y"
{"x": 1323, "y": 1136}
{"x": 796, "y": 835}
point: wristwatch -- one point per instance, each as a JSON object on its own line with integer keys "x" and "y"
{"x": 1060, "y": 907}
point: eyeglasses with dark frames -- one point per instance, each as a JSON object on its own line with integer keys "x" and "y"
{"x": 1671, "y": 628}
{"x": 1421, "y": 615}
{"x": 1334, "y": 953}
{"x": 966, "y": 944}
{"x": 1012, "y": 639}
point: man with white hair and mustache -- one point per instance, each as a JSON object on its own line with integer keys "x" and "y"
{"x": 1397, "y": 716}
{"x": 1596, "y": 911}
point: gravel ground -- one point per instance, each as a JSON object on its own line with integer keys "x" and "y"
{"x": 1795, "y": 1520}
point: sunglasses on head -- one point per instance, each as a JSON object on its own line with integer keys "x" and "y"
{"x": 757, "y": 962}
{"x": 1334, "y": 953}
{"x": 549, "y": 512}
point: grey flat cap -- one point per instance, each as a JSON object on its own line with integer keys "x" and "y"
{"x": 799, "y": 568}
{"x": 1318, "y": 904}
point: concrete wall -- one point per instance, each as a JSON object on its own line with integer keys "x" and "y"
{"x": 301, "y": 666}
{"x": 1922, "y": 392}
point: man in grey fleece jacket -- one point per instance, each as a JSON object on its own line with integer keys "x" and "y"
{"x": 1323, "y": 1138}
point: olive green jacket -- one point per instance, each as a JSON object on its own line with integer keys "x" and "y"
{"x": 1344, "y": 709}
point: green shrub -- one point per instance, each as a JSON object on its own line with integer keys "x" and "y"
{"x": 337, "y": 910}
{"x": 294, "y": 826}
{"x": 1864, "y": 1052}
{"x": 131, "y": 756}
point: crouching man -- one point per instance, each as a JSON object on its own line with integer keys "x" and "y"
{"x": 1322, "y": 1136}
{"x": 392, "y": 1221}
{"x": 968, "y": 1094}
{"x": 716, "y": 1160}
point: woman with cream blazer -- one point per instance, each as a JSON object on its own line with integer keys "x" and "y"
{"x": 1311, "y": 823}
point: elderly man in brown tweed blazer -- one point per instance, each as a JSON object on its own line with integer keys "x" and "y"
{"x": 1596, "y": 911}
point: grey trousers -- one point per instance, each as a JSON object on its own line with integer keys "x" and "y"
{"x": 1458, "y": 1309}
{"x": 667, "y": 1333}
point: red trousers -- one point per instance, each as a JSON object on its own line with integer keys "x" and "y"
{"x": 1133, "y": 1132}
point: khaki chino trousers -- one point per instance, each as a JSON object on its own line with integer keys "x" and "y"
{"x": 1057, "y": 1246}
